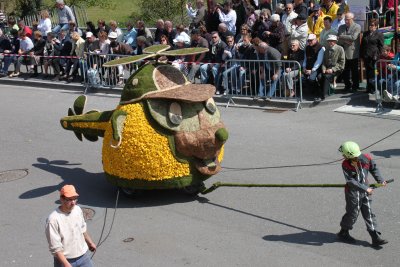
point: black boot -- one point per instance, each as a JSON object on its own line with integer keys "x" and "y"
{"x": 376, "y": 240}
{"x": 345, "y": 236}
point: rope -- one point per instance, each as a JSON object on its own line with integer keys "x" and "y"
{"x": 219, "y": 184}
{"x": 100, "y": 242}
{"x": 310, "y": 164}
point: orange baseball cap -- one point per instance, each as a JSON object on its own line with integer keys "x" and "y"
{"x": 68, "y": 191}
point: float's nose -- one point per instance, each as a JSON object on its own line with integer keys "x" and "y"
{"x": 222, "y": 135}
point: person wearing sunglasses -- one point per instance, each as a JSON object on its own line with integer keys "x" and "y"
{"x": 66, "y": 232}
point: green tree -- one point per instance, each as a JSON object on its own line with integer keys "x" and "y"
{"x": 151, "y": 11}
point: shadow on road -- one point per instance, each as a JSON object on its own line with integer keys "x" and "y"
{"x": 388, "y": 153}
{"x": 311, "y": 238}
{"x": 95, "y": 191}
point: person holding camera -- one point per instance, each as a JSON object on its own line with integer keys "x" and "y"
{"x": 228, "y": 16}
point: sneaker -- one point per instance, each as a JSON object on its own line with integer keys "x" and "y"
{"x": 395, "y": 98}
{"x": 56, "y": 78}
{"x": 387, "y": 97}
{"x": 13, "y": 74}
{"x": 120, "y": 82}
{"x": 31, "y": 71}
{"x": 345, "y": 236}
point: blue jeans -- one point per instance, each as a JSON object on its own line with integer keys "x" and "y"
{"x": 237, "y": 80}
{"x": 204, "y": 73}
{"x": 82, "y": 261}
{"x": 7, "y": 62}
{"x": 273, "y": 84}
{"x": 63, "y": 26}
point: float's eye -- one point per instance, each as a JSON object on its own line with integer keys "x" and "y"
{"x": 210, "y": 106}
{"x": 175, "y": 113}
{"x": 135, "y": 82}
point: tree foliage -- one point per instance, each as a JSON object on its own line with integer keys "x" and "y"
{"x": 151, "y": 11}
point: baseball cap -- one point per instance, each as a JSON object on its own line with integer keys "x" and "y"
{"x": 89, "y": 34}
{"x": 112, "y": 35}
{"x": 68, "y": 191}
{"x": 331, "y": 37}
{"x": 311, "y": 36}
{"x": 316, "y": 8}
{"x": 179, "y": 39}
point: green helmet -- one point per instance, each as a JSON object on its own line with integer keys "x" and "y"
{"x": 350, "y": 150}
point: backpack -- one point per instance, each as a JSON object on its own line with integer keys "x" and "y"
{"x": 93, "y": 77}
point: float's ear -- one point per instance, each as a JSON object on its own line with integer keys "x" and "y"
{"x": 127, "y": 60}
{"x": 184, "y": 51}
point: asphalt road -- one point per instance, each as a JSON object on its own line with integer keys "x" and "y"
{"x": 228, "y": 227}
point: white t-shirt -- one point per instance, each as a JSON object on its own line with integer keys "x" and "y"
{"x": 64, "y": 232}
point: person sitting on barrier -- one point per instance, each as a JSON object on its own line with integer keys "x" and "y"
{"x": 300, "y": 32}
{"x": 216, "y": 50}
{"x": 37, "y": 52}
{"x": 269, "y": 72}
{"x": 195, "y": 60}
{"x": 118, "y": 48}
{"x": 274, "y": 33}
{"x": 49, "y": 53}
{"x": 332, "y": 65}
{"x": 63, "y": 49}
{"x": 371, "y": 48}
{"x": 65, "y": 15}
{"x": 384, "y": 74}
{"x": 78, "y": 62}
{"x": 25, "y": 47}
{"x": 393, "y": 78}
{"x": 92, "y": 48}
{"x": 229, "y": 74}
{"x": 292, "y": 70}
{"x": 9, "y": 52}
{"x": 5, "y": 48}
{"x": 142, "y": 43}
{"x": 130, "y": 35}
{"x": 314, "y": 54}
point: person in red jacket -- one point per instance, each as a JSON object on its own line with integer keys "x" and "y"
{"x": 357, "y": 192}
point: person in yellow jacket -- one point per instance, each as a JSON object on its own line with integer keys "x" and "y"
{"x": 329, "y": 8}
{"x": 315, "y": 21}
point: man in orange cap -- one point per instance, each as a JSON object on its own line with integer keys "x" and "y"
{"x": 66, "y": 233}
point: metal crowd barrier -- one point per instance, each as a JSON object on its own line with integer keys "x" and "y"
{"x": 387, "y": 83}
{"x": 97, "y": 76}
{"x": 267, "y": 79}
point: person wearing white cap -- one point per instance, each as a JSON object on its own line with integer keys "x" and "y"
{"x": 332, "y": 65}
{"x": 314, "y": 54}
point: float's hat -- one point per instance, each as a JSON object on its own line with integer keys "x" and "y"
{"x": 68, "y": 191}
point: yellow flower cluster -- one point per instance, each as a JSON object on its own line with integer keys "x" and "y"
{"x": 91, "y": 125}
{"x": 143, "y": 153}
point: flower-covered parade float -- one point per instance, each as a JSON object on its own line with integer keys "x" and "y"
{"x": 165, "y": 133}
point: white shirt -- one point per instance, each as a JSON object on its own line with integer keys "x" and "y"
{"x": 44, "y": 26}
{"x": 300, "y": 33}
{"x": 229, "y": 19}
{"x": 287, "y": 21}
{"x": 64, "y": 232}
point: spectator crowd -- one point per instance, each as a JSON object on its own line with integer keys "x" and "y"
{"x": 254, "y": 49}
